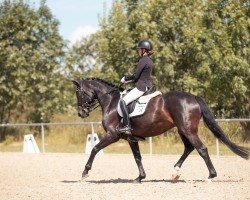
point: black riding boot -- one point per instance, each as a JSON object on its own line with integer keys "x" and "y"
{"x": 126, "y": 128}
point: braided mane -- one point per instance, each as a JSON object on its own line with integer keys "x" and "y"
{"x": 105, "y": 82}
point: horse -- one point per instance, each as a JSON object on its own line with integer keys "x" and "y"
{"x": 173, "y": 109}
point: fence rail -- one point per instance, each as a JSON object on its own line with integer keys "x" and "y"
{"x": 42, "y": 125}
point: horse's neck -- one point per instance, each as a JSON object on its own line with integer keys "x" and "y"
{"x": 106, "y": 97}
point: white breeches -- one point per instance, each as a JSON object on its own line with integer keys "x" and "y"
{"x": 132, "y": 95}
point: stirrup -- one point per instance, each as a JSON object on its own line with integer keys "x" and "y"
{"x": 125, "y": 129}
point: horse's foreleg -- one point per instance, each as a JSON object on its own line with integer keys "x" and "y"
{"x": 106, "y": 141}
{"x": 188, "y": 149}
{"x": 137, "y": 155}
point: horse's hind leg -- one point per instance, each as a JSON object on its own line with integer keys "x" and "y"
{"x": 202, "y": 150}
{"x": 188, "y": 148}
{"x": 107, "y": 140}
{"x": 137, "y": 155}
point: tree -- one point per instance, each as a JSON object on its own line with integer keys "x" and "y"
{"x": 115, "y": 46}
{"x": 81, "y": 58}
{"x": 201, "y": 47}
{"x": 227, "y": 24}
{"x": 31, "y": 51}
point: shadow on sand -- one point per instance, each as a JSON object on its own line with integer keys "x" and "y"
{"x": 66, "y": 181}
{"x": 119, "y": 180}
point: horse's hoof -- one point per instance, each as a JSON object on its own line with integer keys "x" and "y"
{"x": 209, "y": 180}
{"x": 137, "y": 180}
{"x": 84, "y": 176}
{"x": 211, "y": 177}
{"x": 176, "y": 174}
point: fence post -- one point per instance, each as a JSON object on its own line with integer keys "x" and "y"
{"x": 43, "y": 139}
{"x": 217, "y": 148}
{"x": 150, "y": 146}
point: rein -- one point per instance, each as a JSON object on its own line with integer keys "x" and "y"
{"x": 92, "y": 105}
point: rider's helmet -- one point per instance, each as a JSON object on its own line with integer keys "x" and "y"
{"x": 145, "y": 44}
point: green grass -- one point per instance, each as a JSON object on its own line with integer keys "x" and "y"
{"x": 73, "y": 138}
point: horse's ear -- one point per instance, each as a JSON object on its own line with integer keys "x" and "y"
{"x": 76, "y": 83}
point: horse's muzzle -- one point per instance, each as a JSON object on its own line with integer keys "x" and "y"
{"x": 82, "y": 112}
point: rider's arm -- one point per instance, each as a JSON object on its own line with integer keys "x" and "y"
{"x": 136, "y": 75}
{"x": 128, "y": 79}
{"x": 141, "y": 64}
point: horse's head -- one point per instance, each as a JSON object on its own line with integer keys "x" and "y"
{"x": 85, "y": 98}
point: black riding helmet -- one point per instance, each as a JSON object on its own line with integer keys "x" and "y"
{"x": 145, "y": 44}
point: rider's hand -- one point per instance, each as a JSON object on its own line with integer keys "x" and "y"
{"x": 123, "y": 80}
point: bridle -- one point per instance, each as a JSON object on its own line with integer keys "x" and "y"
{"x": 93, "y": 103}
{"x": 87, "y": 106}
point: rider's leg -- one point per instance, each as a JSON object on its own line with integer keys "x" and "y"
{"x": 126, "y": 127}
{"x": 131, "y": 96}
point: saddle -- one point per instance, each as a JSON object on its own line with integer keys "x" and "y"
{"x": 139, "y": 106}
{"x": 131, "y": 106}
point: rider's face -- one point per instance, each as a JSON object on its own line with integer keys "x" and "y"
{"x": 140, "y": 52}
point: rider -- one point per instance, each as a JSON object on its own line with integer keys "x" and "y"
{"x": 142, "y": 81}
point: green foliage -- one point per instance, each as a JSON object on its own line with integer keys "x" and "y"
{"x": 9, "y": 140}
{"x": 200, "y": 47}
{"x": 31, "y": 52}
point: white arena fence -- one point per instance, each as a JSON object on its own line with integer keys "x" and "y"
{"x": 92, "y": 124}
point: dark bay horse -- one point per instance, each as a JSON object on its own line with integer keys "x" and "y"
{"x": 164, "y": 112}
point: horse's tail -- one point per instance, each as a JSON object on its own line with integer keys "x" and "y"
{"x": 218, "y": 132}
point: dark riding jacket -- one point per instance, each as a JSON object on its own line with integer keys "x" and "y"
{"x": 142, "y": 75}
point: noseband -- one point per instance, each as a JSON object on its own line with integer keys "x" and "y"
{"x": 87, "y": 106}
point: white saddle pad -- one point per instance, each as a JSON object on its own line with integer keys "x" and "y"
{"x": 141, "y": 104}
